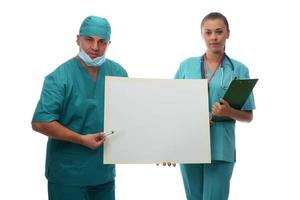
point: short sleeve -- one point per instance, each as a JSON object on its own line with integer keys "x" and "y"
{"x": 123, "y": 72}
{"x": 50, "y": 104}
{"x": 180, "y": 74}
{"x": 114, "y": 69}
{"x": 249, "y": 104}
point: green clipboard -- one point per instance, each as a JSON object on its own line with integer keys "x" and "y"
{"x": 236, "y": 95}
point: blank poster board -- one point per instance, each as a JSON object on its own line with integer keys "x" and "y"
{"x": 156, "y": 120}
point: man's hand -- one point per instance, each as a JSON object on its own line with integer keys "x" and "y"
{"x": 93, "y": 141}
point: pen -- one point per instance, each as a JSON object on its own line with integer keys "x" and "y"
{"x": 107, "y": 133}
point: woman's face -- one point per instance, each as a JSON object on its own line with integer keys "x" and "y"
{"x": 214, "y": 32}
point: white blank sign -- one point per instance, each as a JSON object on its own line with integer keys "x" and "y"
{"x": 156, "y": 120}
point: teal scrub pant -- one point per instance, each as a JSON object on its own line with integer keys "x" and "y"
{"x": 207, "y": 181}
{"x": 69, "y": 192}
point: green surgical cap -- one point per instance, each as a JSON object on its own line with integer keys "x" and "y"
{"x": 95, "y": 26}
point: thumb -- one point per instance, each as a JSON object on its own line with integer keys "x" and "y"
{"x": 222, "y": 101}
{"x": 99, "y": 136}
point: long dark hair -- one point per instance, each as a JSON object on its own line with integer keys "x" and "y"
{"x": 215, "y": 15}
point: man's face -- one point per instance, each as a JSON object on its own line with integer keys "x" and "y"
{"x": 94, "y": 46}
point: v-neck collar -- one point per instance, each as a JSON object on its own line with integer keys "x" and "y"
{"x": 87, "y": 74}
{"x": 92, "y": 88}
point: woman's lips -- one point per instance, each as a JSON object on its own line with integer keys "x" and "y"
{"x": 214, "y": 44}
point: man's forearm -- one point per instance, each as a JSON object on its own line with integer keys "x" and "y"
{"x": 57, "y": 131}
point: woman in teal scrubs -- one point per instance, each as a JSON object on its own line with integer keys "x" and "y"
{"x": 70, "y": 112}
{"x": 212, "y": 181}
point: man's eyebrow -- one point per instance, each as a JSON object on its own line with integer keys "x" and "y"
{"x": 88, "y": 37}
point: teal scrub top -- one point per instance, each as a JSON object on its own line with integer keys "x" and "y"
{"x": 222, "y": 133}
{"x": 71, "y": 97}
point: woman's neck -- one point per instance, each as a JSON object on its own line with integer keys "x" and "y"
{"x": 214, "y": 56}
{"x": 213, "y": 59}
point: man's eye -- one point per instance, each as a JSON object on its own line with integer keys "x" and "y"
{"x": 104, "y": 42}
{"x": 219, "y": 32}
{"x": 208, "y": 33}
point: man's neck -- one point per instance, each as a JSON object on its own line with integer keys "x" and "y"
{"x": 93, "y": 71}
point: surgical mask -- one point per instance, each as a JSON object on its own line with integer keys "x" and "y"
{"x": 91, "y": 62}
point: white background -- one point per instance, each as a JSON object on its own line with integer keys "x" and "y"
{"x": 150, "y": 38}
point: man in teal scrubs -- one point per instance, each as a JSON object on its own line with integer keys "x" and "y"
{"x": 71, "y": 111}
{"x": 212, "y": 181}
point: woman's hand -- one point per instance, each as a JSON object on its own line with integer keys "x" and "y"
{"x": 221, "y": 108}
